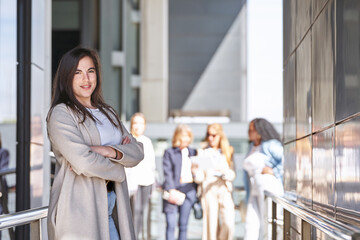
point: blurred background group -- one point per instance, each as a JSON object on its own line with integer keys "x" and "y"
{"x": 294, "y": 63}
{"x": 176, "y": 62}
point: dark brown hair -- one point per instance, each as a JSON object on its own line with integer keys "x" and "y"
{"x": 265, "y": 129}
{"x": 63, "y": 86}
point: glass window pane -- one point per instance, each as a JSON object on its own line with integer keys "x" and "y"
{"x": 8, "y": 89}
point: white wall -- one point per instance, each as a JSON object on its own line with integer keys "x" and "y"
{"x": 264, "y": 31}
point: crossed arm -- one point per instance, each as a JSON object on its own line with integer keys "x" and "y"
{"x": 110, "y": 152}
{"x": 91, "y": 161}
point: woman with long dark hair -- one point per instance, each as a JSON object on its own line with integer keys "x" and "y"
{"x": 263, "y": 168}
{"x": 89, "y": 197}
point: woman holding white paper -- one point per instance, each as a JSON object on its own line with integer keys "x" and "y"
{"x": 178, "y": 180}
{"x": 215, "y": 185}
{"x": 263, "y": 171}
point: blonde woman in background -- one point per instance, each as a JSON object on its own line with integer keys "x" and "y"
{"x": 178, "y": 177}
{"x": 216, "y": 187}
{"x": 142, "y": 177}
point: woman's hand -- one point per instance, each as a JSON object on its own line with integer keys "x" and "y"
{"x": 110, "y": 152}
{"x": 106, "y": 151}
{"x": 126, "y": 140}
{"x": 172, "y": 199}
{"x": 194, "y": 168}
{"x": 267, "y": 170}
{"x": 175, "y": 196}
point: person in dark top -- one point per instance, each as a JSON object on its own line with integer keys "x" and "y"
{"x": 178, "y": 178}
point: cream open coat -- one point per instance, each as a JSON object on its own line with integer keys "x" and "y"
{"x": 78, "y": 200}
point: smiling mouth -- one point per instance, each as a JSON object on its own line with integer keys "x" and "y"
{"x": 86, "y": 86}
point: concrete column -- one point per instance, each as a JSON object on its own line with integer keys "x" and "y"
{"x": 154, "y": 60}
{"x": 264, "y": 60}
{"x": 110, "y": 25}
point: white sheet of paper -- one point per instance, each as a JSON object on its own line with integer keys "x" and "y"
{"x": 210, "y": 159}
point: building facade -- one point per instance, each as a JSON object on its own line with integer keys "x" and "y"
{"x": 158, "y": 57}
{"x": 321, "y": 109}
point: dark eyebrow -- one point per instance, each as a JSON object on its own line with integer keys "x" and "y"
{"x": 88, "y": 69}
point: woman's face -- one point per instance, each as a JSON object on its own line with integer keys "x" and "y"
{"x": 84, "y": 81}
{"x": 138, "y": 126}
{"x": 213, "y": 138}
{"x": 254, "y": 136}
{"x": 185, "y": 140}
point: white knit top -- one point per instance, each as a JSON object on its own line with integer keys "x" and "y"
{"x": 109, "y": 134}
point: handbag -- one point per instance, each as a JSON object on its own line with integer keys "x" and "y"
{"x": 176, "y": 197}
{"x": 198, "y": 211}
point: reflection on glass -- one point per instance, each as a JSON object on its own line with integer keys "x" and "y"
{"x": 324, "y": 172}
{"x": 303, "y": 88}
{"x": 322, "y": 68}
{"x": 289, "y": 13}
{"x": 8, "y": 61}
{"x": 289, "y": 101}
{"x": 320, "y": 235}
{"x": 36, "y": 161}
{"x": 8, "y": 88}
{"x": 303, "y": 18}
{"x": 304, "y": 171}
{"x": 348, "y": 165}
{"x": 290, "y": 168}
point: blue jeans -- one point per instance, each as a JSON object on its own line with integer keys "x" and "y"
{"x": 114, "y": 235}
{"x": 184, "y": 213}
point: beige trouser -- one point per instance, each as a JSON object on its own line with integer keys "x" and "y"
{"x": 218, "y": 212}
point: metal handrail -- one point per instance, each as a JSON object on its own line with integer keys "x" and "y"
{"x": 23, "y": 217}
{"x": 7, "y": 171}
{"x": 334, "y": 229}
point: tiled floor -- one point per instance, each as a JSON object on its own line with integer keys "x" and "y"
{"x": 158, "y": 223}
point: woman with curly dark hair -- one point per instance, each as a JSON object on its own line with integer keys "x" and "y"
{"x": 263, "y": 170}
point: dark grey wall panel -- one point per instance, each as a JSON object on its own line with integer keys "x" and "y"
{"x": 289, "y": 20}
{"x": 303, "y": 18}
{"x": 323, "y": 57}
{"x": 347, "y": 58}
{"x": 318, "y": 5}
{"x": 196, "y": 28}
{"x": 303, "y": 88}
{"x": 327, "y": 174}
{"x": 289, "y": 101}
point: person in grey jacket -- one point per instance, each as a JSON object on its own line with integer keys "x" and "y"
{"x": 89, "y": 197}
